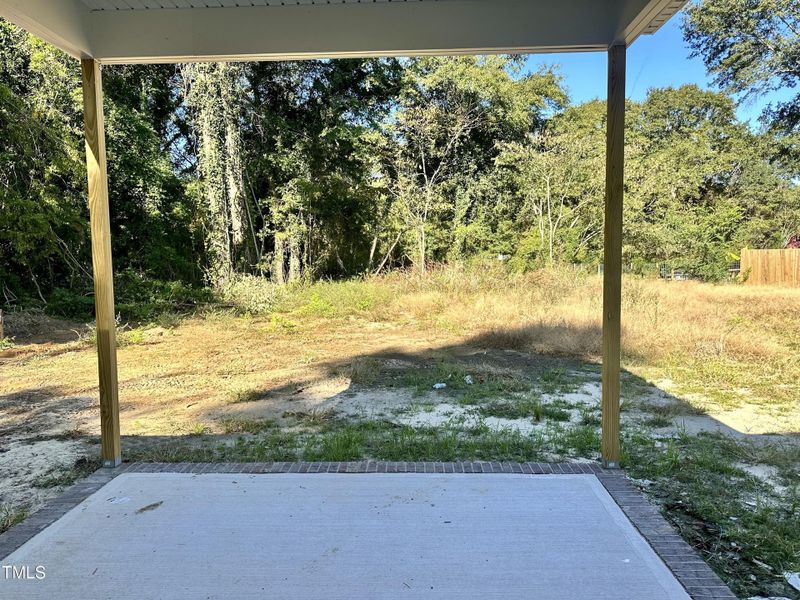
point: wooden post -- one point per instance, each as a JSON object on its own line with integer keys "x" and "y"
{"x": 612, "y": 253}
{"x": 101, "y": 261}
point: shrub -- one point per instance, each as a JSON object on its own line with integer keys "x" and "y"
{"x": 70, "y": 304}
{"x": 138, "y": 298}
{"x": 253, "y": 294}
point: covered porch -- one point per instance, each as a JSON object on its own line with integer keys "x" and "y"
{"x": 148, "y": 31}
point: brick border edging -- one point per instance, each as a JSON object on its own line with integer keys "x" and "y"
{"x": 374, "y": 466}
{"x": 694, "y": 574}
{"x": 700, "y": 582}
{"x": 54, "y": 509}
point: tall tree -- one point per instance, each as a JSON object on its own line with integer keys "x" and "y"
{"x": 693, "y": 179}
{"x": 214, "y": 94}
{"x": 43, "y": 233}
{"x": 311, "y": 138}
{"x": 452, "y": 114}
{"x": 752, "y": 47}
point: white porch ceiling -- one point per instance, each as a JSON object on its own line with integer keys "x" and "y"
{"x": 116, "y": 31}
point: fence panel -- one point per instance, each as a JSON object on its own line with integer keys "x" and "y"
{"x": 771, "y": 267}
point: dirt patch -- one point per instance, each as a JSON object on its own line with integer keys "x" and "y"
{"x": 31, "y": 328}
{"x": 24, "y": 463}
{"x": 769, "y": 474}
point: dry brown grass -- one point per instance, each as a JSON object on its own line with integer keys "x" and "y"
{"x": 727, "y": 342}
{"x": 716, "y": 345}
{"x": 564, "y": 307}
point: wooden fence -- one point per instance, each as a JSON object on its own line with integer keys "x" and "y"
{"x": 771, "y": 267}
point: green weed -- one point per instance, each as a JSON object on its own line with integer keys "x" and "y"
{"x": 247, "y": 425}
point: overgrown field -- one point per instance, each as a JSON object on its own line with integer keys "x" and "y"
{"x": 346, "y": 370}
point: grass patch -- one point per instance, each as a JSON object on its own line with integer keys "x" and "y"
{"x": 70, "y": 434}
{"x": 526, "y": 408}
{"x": 658, "y": 421}
{"x": 736, "y": 521}
{"x": 556, "y": 381}
{"x": 270, "y": 445}
{"x": 245, "y": 395}
{"x": 580, "y": 441}
{"x": 11, "y": 515}
{"x": 336, "y": 300}
{"x": 252, "y": 426}
{"x": 590, "y": 416}
{"x": 340, "y": 445}
{"x": 197, "y": 428}
{"x": 664, "y": 415}
{"x": 364, "y": 371}
{"x": 65, "y": 477}
{"x": 465, "y": 385}
{"x": 383, "y": 440}
{"x": 316, "y": 417}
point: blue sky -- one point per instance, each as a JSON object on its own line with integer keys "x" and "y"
{"x": 658, "y": 60}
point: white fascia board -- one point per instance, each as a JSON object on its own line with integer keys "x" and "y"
{"x": 648, "y": 20}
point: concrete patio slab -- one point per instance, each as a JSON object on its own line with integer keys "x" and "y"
{"x": 185, "y": 535}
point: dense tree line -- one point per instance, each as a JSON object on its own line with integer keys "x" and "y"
{"x": 341, "y": 168}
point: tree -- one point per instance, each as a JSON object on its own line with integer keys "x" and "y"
{"x": 153, "y": 218}
{"x": 555, "y": 174}
{"x": 452, "y": 113}
{"x": 43, "y": 235}
{"x": 214, "y": 95}
{"x": 312, "y": 147}
{"x": 43, "y": 213}
{"x": 697, "y": 181}
{"x": 751, "y": 47}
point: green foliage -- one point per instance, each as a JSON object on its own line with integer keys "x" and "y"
{"x": 44, "y": 241}
{"x": 70, "y": 304}
{"x": 453, "y": 114}
{"x": 751, "y": 47}
{"x": 252, "y": 294}
{"x": 138, "y": 298}
{"x": 691, "y": 179}
{"x": 525, "y": 408}
{"x": 249, "y": 176}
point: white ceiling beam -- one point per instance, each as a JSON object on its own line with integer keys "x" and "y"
{"x": 365, "y": 29}
{"x": 127, "y": 31}
{"x": 63, "y": 23}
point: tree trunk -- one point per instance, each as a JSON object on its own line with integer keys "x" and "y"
{"x": 210, "y": 162}
{"x": 421, "y": 241}
{"x": 294, "y": 259}
{"x": 233, "y": 153}
{"x": 372, "y": 249}
{"x": 278, "y": 270}
{"x": 213, "y": 89}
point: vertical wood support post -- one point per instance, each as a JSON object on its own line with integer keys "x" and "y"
{"x": 101, "y": 261}
{"x": 612, "y": 254}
